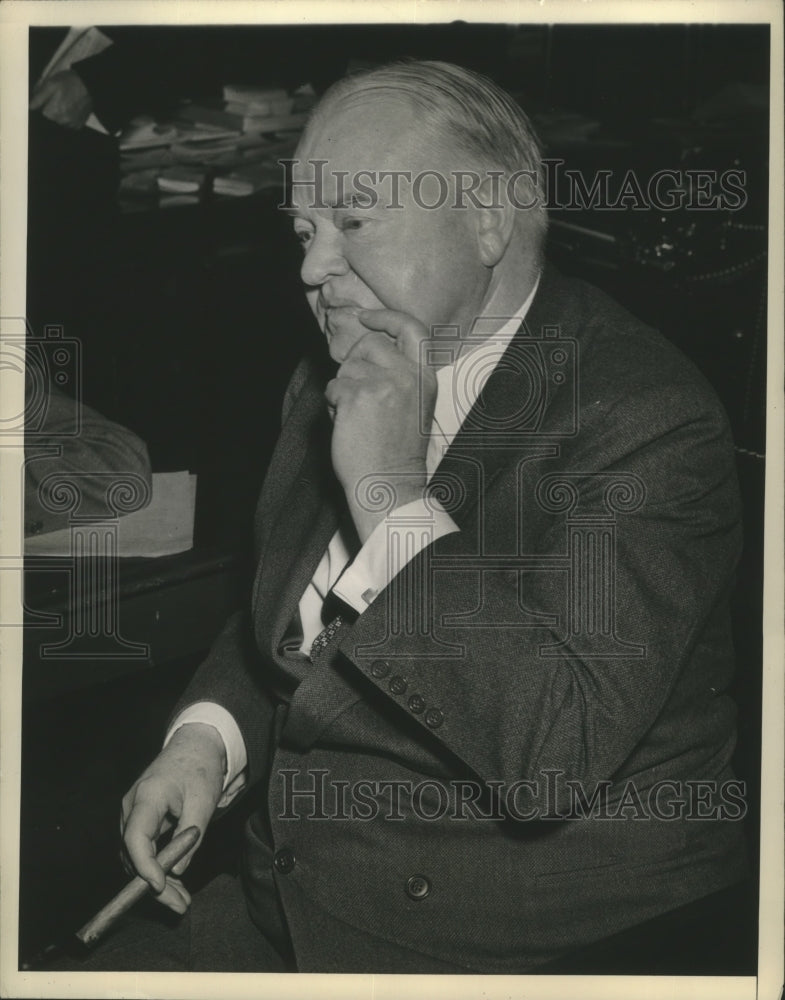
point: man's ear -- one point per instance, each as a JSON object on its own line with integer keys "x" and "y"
{"x": 495, "y": 220}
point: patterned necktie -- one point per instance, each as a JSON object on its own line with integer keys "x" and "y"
{"x": 322, "y": 640}
{"x": 335, "y": 611}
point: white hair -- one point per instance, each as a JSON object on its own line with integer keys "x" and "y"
{"x": 469, "y": 111}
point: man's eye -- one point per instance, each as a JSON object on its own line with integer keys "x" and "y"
{"x": 352, "y": 224}
{"x": 303, "y": 237}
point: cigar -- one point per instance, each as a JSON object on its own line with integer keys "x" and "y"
{"x": 167, "y": 858}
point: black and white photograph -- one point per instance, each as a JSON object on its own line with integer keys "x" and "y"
{"x": 391, "y": 538}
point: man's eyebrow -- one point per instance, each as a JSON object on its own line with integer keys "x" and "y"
{"x": 352, "y": 201}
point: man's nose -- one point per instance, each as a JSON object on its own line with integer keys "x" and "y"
{"x": 323, "y": 259}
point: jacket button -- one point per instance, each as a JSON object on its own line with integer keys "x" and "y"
{"x": 434, "y": 718}
{"x": 417, "y": 703}
{"x": 284, "y": 861}
{"x": 418, "y": 887}
{"x": 398, "y": 684}
{"x": 380, "y": 668}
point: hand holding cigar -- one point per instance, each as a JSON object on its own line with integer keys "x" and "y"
{"x": 167, "y": 858}
{"x": 182, "y": 784}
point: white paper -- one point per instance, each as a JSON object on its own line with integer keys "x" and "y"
{"x": 164, "y": 527}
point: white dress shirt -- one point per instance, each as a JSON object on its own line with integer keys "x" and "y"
{"x": 358, "y": 581}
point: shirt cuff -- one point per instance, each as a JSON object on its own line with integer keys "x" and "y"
{"x": 211, "y": 714}
{"x": 392, "y": 544}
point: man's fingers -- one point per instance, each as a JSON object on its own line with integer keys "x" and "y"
{"x": 174, "y": 896}
{"x": 178, "y": 886}
{"x": 405, "y": 330}
{"x": 374, "y": 349}
{"x": 125, "y": 858}
{"x": 390, "y": 321}
{"x": 338, "y": 389}
{"x": 357, "y": 368}
{"x": 145, "y": 824}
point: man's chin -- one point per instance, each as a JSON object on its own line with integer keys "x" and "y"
{"x": 333, "y": 349}
{"x": 343, "y": 330}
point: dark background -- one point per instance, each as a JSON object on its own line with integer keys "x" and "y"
{"x": 191, "y": 320}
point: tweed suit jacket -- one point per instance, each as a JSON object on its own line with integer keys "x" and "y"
{"x": 523, "y": 745}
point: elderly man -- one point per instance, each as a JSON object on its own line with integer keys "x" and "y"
{"x": 480, "y": 688}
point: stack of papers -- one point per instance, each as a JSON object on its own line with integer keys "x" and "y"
{"x": 181, "y": 180}
{"x": 249, "y": 100}
{"x": 240, "y": 183}
{"x": 144, "y": 132}
{"x": 234, "y": 145}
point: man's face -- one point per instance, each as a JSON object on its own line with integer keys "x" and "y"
{"x": 416, "y": 260}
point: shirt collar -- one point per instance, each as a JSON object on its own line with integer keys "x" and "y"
{"x": 460, "y": 383}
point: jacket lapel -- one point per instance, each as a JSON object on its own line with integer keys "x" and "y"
{"x": 508, "y": 412}
{"x": 309, "y": 507}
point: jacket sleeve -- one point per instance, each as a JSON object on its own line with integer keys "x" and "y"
{"x": 464, "y": 646}
{"x": 231, "y": 674}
